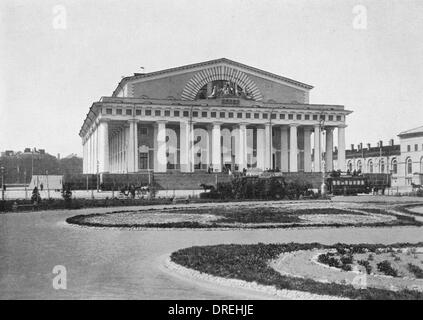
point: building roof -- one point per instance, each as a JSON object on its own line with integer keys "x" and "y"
{"x": 412, "y": 132}
{"x": 207, "y": 63}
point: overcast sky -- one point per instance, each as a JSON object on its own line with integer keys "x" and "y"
{"x": 51, "y": 69}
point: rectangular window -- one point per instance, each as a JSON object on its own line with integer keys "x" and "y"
{"x": 322, "y": 117}
{"x": 157, "y": 113}
{"x": 314, "y": 116}
{"x": 128, "y": 112}
{"x": 195, "y": 113}
{"x": 256, "y": 115}
{"x": 338, "y": 118}
{"x": 148, "y": 112}
{"x": 416, "y": 147}
{"x": 222, "y": 115}
{"x": 282, "y": 116}
{"x": 248, "y": 115}
{"x": 298, "y": 117}
{"x": 230, "y": 115}
{"x": 330, "y": 118}
{"x": 144, "y": 131}
{"x": 138, "y": 112}
{"x": 239, "y": 115}
{"x": 118, "y": 111}
{"x": 408, "y": 148}
{"x": 290, "y": 116}
{"x": 264, "y": 115}
{"x": 108, "y": 111}
{"x": 176, "y": 113}
{"x": 185, "y": 113}
{"x": 213, "y": 114}
{"x": 143, "y": 160}
{"x": 273, "y": 115}
{"x": 167, "y": 113}
{"x": 307, "y": 117}
{"x": 204, "y": 114}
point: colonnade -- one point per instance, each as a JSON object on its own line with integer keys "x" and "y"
{"x": 119, "y": 152}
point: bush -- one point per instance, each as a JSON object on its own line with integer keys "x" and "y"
{"x": 366, "y": 265}
{"x": 416, "y": 270}
{"x": 259, "y": 188}
{"x": 386, "y": 268}
{"x": 346, "y": 267}
{"x": 348, "y": 259}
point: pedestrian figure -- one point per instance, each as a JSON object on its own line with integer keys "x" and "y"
{"x": 41, "y": 186}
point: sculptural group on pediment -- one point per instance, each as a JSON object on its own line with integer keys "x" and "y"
{"x": 224, "y": 89}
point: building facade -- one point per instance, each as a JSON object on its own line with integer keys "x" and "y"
{"x": 410, "y": 165}
{"x": 404, "y": 160}
{"x": 214, "y": 115}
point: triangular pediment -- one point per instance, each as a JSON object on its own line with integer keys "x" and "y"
{"x": 199, "y": 74}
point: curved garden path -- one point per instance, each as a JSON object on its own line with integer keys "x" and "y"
{"x": 125, "y": 264}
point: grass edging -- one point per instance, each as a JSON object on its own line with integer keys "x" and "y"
{"x": 241, "y": 284}
{"x": 250, "y": 263}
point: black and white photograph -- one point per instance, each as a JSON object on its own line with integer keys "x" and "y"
{"x": 211, "y": 154}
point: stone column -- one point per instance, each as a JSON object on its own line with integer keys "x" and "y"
{"x": 307, "y": 149}
{"x": 260, "y": 144}
{"x": 329, "y": 149}
{"x": 341, "y": 148}
{"x": 268, "y": 146}
{"x": 132, "y": 151}
{"x": 95, "y": 149}
{"x": 293, "y": 148}
{"x": 284, "y": 149}
{"x": 103, "y": 146}
{"x": 242, "y": 146}
{"x": 317, "y": 151}
{"x": 184, "y": 149}
{"x": 216, "y": 148}
{"x": 161, "y": 159}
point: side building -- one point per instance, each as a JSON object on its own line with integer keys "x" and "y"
{"x": 404, "y": 160}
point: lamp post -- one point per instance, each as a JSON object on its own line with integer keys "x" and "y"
{"x": 2, "y": 183}
{"x": 323, "y": 187}
{"x": 48, "y": 188}
{"x": 26, "y": 190}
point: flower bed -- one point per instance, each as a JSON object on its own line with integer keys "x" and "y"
{"x": 251, "y": 263}
{"x": 253, "y": 215}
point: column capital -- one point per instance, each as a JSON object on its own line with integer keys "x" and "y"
{"x": 329, "y": 129}
{"x": 293, "y": 124}
{"x": 100, "y": 120}
{"x": 217, "y": 123}
{"x": 342, "y": 126}
{"x": 133, "y": 120}
{"x": 243, "y": 124}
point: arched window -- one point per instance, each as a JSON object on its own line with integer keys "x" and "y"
{"x": 394, "y": 166}
{"x": 350, "y": 166}
{"x": 359, "y": 166}
{"x": 370, "y": 166}
{"x": 408, "y": 166}
{"x": 382, "y": 166}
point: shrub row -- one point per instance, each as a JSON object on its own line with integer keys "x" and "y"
{"x": 260, "y": 188}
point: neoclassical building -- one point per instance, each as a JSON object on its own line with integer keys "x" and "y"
{"x": 216, "y": 114}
